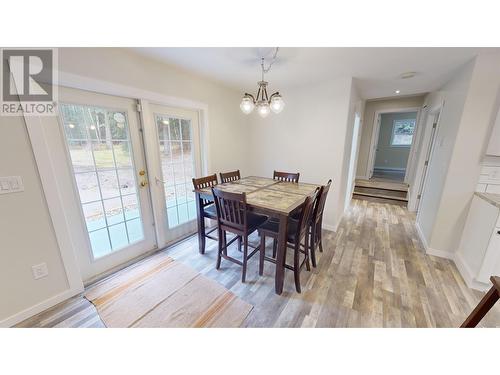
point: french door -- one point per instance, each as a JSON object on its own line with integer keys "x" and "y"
{"x": 178, "y": 159}
{"x": 104, "y": 148}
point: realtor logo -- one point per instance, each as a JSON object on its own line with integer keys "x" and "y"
{"x": 28, "y": 82}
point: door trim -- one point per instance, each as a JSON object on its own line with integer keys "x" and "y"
{"x": 427, "y": 151}
{"x": 375, "y": 135}
{"x": 47, "y": 166}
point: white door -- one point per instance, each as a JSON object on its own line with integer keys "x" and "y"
{"x": 178, "y": 160}
{"x": 104, "y": 148}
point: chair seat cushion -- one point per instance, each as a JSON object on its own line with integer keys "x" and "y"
{"x": 254, "y": 221}
{"x": 210, "y": 212}
{"x": 272, "y": 226}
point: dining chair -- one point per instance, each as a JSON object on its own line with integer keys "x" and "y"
{"x": 233, "y": 217}
{"x": 230, "y": 176}
{"x": 285, "y": 176}
{"x": 206, "y": 208}
{"x": 316, "y": 222}
{"x": 297, "y": 233}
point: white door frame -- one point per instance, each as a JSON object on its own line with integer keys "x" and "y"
{"x": 426, "y": 153}
{"x": 47, "y": 166}
{"x": 153, "y": 162}
{"x": 375, "y": 135}
{"x": 115, "y": 259}
{"x": 353, "y": 160}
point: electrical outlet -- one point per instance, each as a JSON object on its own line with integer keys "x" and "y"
{"x": 40, "y": 270}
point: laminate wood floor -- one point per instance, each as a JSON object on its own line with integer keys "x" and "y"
{"x": 373, "y": 273}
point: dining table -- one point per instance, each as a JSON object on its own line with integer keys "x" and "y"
{"x": 273, "y": 198}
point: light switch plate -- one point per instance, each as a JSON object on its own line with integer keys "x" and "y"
{"x": 40, "y": 270}
{"x": 11, "y": 184}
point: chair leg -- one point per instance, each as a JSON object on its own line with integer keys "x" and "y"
{"x": 245, "y": 253}
{"x": 313, "y": 245}
{"x": 224, "y": 239}
{"x": 306, "y": 250}
{"x": 275, "y": 247}
{"x": 219, "y": 252}
{"x": 296, "y": 267}
{"x": 262, "y": 254}
{"x": 319, "y": 235}
{"x": 201, "y": 225}
{"x": 239, "y": 244}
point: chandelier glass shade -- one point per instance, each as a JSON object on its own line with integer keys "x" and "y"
{"x": 262, "y": 101}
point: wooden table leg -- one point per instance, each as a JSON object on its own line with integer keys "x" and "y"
{"x": 201, "y": 224}
{"x": 484, "y": 305}
{"x": 280, "y": 256}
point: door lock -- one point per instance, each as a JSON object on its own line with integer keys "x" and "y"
{"x": 142, "y": 172}
{"x": 144, "y": 183}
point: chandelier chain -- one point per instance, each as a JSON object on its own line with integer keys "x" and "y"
{"x": 273, "y": 59}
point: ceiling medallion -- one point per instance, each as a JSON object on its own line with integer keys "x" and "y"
{"x": 262, "y": 101}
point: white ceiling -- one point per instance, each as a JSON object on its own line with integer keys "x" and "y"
{"x": 377, "y": 70}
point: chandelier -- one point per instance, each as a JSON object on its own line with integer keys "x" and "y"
{"x": 262, "y": 101}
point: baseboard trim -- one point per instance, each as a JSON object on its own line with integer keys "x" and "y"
{"x": 467, "y": 275}
{"x": 38, "y": 308}
{"x": 421, "y": 236}
{"x": 429, "y": 250}
{"x": 440, "y": 253}
{"x": 463, "y": 269}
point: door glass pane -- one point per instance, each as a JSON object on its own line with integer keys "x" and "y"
{"x": 177, "y": 165}
{"x": 88, "y": 187}
{"x": 101, "y": 154}
{"x": 109, "y": 181}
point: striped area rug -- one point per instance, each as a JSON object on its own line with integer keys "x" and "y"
{"x": 165, "y": 293}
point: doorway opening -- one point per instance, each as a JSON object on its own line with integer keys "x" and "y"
{"x": 393, "y": 140}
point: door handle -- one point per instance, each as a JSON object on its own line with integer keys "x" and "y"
{"x": 144, "y": 183}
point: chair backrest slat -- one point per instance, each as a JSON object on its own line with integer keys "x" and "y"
{"x": 305, "y": 216}
{"x": 230, "y": 176}
{"x": 231, "y": 209}
{"x": 286, "y": 176}
{"x": 205, "y": 182}
{"x": 320, "y": 202}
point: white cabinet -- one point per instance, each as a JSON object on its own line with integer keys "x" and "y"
{"x": 478, "y": 255}
{"x": 494, "y": 145}
{"x": 491, "y": 260}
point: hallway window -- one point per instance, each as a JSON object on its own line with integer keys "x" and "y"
{"x": 402, "y": 132}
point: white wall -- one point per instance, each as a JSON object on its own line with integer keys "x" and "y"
{"x": 471, "y": 128}
{"x": 229, "y": 129}
{"x": 26, "y": 233}
{"x": 309, "y": 137}
{"x": 453, "y": 93}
